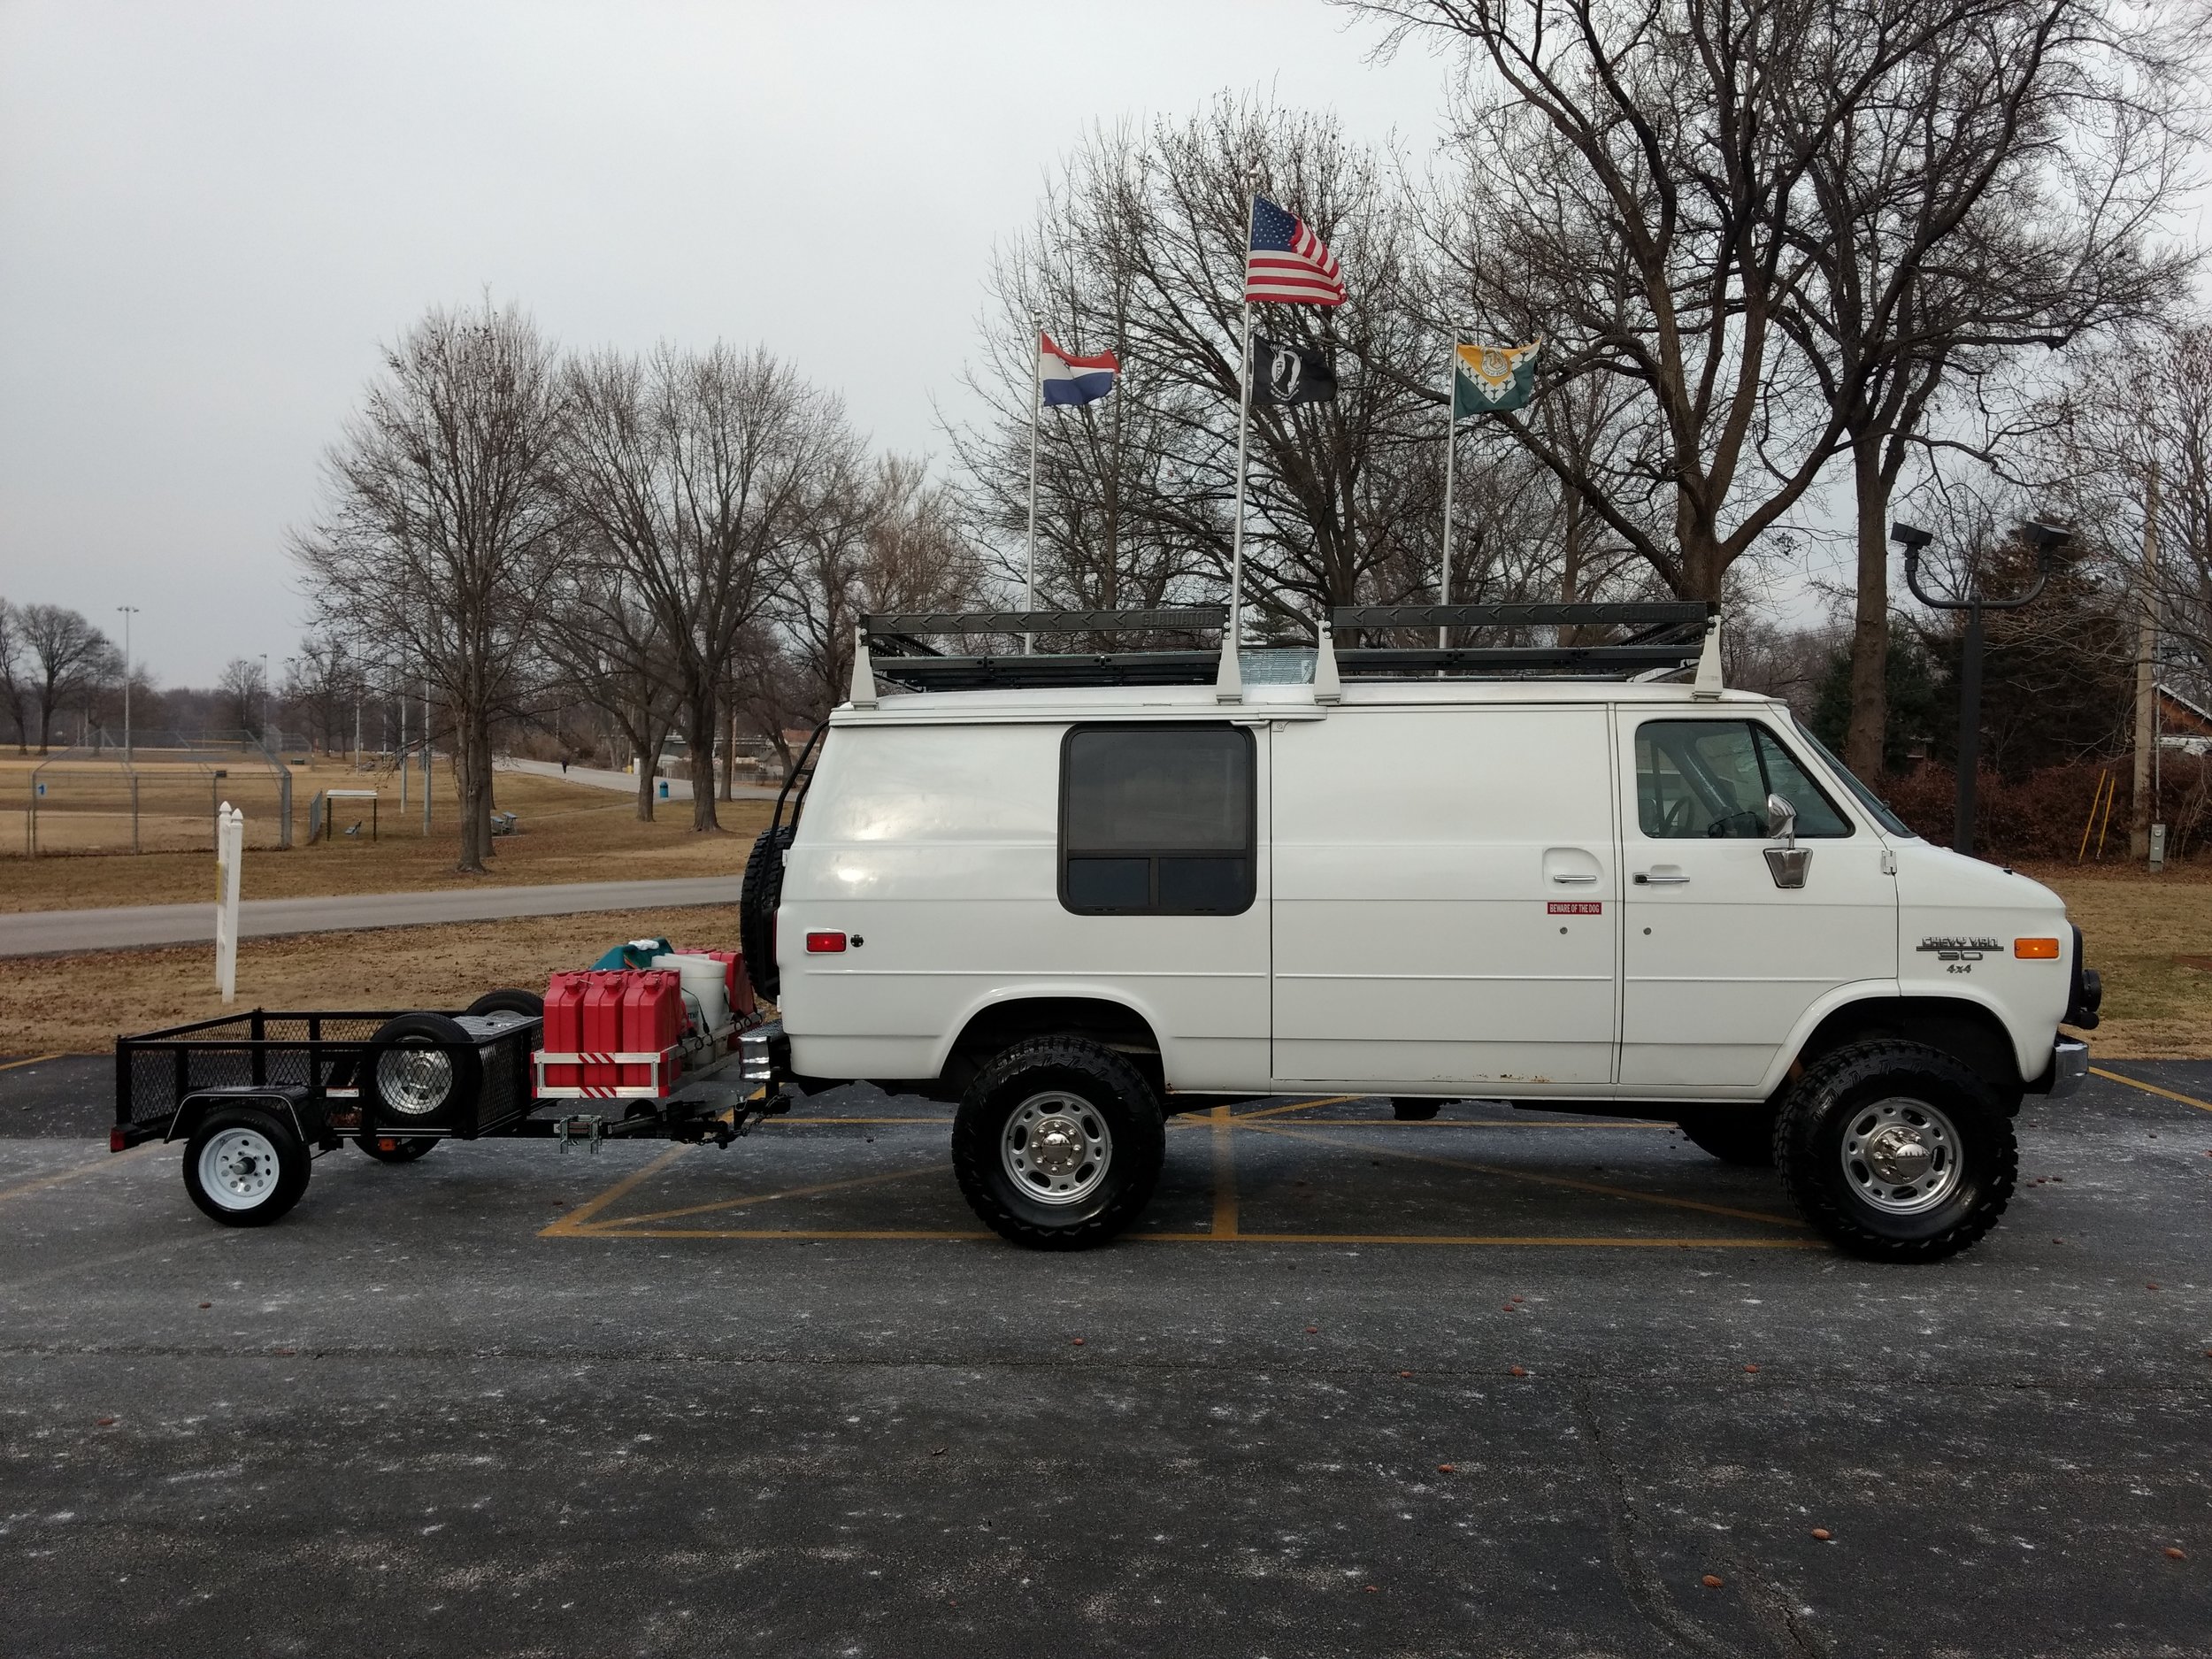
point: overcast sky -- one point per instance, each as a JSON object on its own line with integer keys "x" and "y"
{"x": 210, "y": 215}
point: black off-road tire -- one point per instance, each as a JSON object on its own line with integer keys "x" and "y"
{"x": 262, "y": 1134}
{"x": 1836, "y": 1093}
{"x": 1110, "y": 1088}
{"x": 1742, "y": 1135}
{"x": 396, "y": 1149}
{"x": 756, "y": 903}
{"x": 1407, "y": 1108}
{"x": 514, "y": 1001}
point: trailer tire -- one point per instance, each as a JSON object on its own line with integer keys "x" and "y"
{"x": 438, "y": 1082}
{"x": 1058, "y": 1143}
{"x": 757, "y": 900}
{"x": 396, "y": 1149}
{"x": 1895, "y": 1151}
{"x": 245, "y": 1165}
{"x": 1742, "y": 1135}
{"x": 514, "y": 1001}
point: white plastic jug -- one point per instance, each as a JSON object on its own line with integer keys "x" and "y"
{"x": 705, "y": 981}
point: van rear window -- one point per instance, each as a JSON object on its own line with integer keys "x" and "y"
{"x": 1157, "y": 820}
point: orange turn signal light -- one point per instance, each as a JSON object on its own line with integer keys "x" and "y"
{"x": 2036, "y": 950}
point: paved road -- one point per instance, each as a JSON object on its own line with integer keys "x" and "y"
{"x": 35, "y": 932}
{"x": 719, "y": 1406}
{"x": 622, "y": 781}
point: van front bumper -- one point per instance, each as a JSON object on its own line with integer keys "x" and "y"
{"x": 2070, "y": 1067}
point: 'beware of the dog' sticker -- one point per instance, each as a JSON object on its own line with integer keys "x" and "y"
{"x": 1575, "y": 907}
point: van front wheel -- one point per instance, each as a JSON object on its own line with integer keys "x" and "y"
{"x": 1058, "y": 1143}
{"x": 1896, "y": 1151}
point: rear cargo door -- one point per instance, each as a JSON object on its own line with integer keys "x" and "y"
{"x": 1446, "y": 893}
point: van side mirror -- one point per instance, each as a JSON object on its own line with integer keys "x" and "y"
{"x": 1788, "y": 863}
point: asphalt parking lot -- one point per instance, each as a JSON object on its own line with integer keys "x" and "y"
{"x": 1501, "y": 1384}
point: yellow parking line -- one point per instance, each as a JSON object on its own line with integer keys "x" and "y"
{"x": 36, "y": 1059}
{"x": 761, "y": 1198}
{"x": 1225, "y": 1174}
{"x": 2151, "y": 1089}
{"x": 1295, "y": 1106}
{"x": 92, "y": 1167}
{"x": 1549, "y": 1180}
{"x": 572, "y": 1224}
{"x": 878, "y": 1234}
{"x": 1465, "y": 1123}
{"x": 1479, "y": 1238}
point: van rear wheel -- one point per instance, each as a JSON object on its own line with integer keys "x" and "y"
{"x": 1058, "y": 1143}
{"x": 1896, "y": 1151}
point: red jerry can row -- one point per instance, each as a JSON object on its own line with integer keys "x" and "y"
{"x": 625, "y": 1011}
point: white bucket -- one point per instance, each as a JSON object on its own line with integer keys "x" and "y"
{"x": 705, "y": 981}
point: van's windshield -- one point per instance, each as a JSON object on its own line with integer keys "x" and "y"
{"x": 1867, "y": 798}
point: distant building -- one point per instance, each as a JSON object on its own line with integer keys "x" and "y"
{"x": 2182, "y": 725}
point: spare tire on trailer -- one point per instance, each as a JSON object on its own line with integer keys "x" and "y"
{"x": 756, "y": 903}
{"x": 422, "y": 1069}
{"x": 514, "y": 1001}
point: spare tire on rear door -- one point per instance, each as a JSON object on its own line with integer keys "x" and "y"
{"x": 423, "y": 1069}
{"x": 756, "y": 903}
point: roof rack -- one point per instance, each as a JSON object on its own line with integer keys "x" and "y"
{"x": 1665, "y": 637}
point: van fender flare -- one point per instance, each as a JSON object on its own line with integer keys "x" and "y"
{"x": 1043, "y": 991}
{"x": 1893, "y": 991}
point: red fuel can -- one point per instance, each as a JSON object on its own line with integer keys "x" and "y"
{"x": 652, "y": 1020}
{"x": 739, "y": 981}
{"x": 563, "y": 1031}
{"x": 603, "y": 997}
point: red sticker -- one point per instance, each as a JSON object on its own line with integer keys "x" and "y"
{"x": 1576, "y": 907}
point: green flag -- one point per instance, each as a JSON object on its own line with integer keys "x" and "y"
{"x": 1490, "y": 379}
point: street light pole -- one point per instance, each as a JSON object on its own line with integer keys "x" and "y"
{"x": 128, "y": 612}
{"x": 2045, "y": 540}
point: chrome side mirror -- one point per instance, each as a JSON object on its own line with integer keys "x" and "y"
{"x": 1788, "y": 863}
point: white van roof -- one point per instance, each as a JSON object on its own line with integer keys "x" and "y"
{"x": 1080, "y": 702}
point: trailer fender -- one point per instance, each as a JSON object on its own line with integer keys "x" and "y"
{"x": 307, "y": 1119}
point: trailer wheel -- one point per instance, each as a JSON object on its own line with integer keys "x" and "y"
{"x": 396, "y": 1149}
{"x": 510, "y": 1002}
{"x": 245, "y": 1165}
{"x": 757, "y": 900}
{"x": 1058, "y": 1143}
{"x": 1740, "y": 1135}
{"x": 423, "y": 1067}
{"x": 1896, "y": 1151}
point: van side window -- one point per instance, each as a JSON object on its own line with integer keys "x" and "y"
{"x": 1157, "y": 820}
{"x": 1711, "y": 778}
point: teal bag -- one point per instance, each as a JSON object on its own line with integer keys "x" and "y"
{"x": 635, "y": 953}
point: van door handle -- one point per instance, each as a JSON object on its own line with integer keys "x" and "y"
{"x": 1570, "y": 879}
{"x": 1646, "y": 879}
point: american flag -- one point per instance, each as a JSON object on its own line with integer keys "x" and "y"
{"x": 1287, "y": 263}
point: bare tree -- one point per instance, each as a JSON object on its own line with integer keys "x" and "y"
{"x": 440, "y": 535}
{"x": 693, "y": 471}
{"x": 14, "y": 686}
{"x": 610, "y": 646}
{"x": 243, "y": 687}
{"x": 70, "y": 660}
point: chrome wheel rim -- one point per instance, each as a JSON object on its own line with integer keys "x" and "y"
{"x": 1902, "y": 1157}
{"x": 414, "y": 1079}
{"x": 1056, "y": 1147}
{"x": 238, "y": 1168}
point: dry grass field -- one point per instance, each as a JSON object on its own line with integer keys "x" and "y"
{"x": 2150, "y": 936}
{"x": 81, "y": 1004}
{"x": 568, "y": 833}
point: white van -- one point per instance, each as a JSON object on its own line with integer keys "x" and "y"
{"x": 1077, "y": 907}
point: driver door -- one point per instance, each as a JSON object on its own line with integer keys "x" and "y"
{"x": 1719, "y": 964}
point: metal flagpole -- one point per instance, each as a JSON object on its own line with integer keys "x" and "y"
{"x": 1036, "y": 419}
{"x": 1451, "y": 448}
{"x": 1234, "y": 638}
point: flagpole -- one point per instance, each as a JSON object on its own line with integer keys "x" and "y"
{"x": 1451, "y": 448}
{"x": 1234, "y": 638}
{"x": 1036, "y": 419}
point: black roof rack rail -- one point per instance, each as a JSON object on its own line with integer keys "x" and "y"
{"x": 1665, "y": 636}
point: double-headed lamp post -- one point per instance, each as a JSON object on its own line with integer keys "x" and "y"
{"x": 2045, "y": 540}
{"x": 128, "y": 611}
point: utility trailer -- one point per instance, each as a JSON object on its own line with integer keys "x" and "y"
{"x": 256, "y": 1097}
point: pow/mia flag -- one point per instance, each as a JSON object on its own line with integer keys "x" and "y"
{"x": 1288, "y": 375}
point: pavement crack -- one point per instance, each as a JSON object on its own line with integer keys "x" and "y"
{"x": 1645, "y": 1589}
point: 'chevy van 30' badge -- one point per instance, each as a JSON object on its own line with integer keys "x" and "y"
{"x": 1958, "y": 949}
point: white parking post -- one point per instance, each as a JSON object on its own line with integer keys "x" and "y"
{"x": 230, "y": 844}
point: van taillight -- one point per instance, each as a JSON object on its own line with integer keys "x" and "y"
{"x": 817, "y": 943}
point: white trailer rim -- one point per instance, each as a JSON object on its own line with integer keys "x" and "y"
{"x": 238, "y": 1169}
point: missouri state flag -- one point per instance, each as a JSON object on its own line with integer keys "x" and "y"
{"x": 1067, "y": 378}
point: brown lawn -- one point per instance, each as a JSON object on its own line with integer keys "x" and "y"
{"x": 568, "y": 833}
{"x": 2140, "y": 931}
